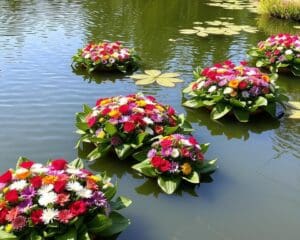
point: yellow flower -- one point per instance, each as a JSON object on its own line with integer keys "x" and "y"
{"x": 141, "y": 103}
{"x": 22, "y": 173}
{"x": 221, "y": 70}
{"x": 160, "y": 108}
{"x": 5, "y": 189}
{"x": 114, "y": 113}
{"x": 186, "y": 168}
{"x": 105, "y": 101}
{"x": 8, "y": 228}
{"x": 49, "y": 179}
{"x": 101, "y": 134}
{"x": 105, "y": 57}
{"x": 101, "y": 119}
{"x": 95, "y": 178}
{"x": 233, "y": 83}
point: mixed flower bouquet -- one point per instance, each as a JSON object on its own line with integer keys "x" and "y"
{"x": 278, "y": 52}
{"x": 174, "y": 158}
{"x": 227, "y": 88}
{"x": 58, "y": 201}
{"x": 124, "y": 124}
{"x": 106, "y": 56}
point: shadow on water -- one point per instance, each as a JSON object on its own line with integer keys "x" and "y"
{"x": 229, "y": 126}
{"x": 114, "y": 167}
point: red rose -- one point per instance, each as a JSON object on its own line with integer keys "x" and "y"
{"x": 124, "y": 109}
{"x": 165, "y": 166}
{"x": 27, "y": 164}
{"x": 171, "y": 111}
{"x": 193, "y": 140}
{"x": 59, "y": 186}
{"x": 243, "y": 85}
{"x": 59, "y": 164}
{"x": 160, "y": 163}
{"x": 91, "y": 121}
{"x": 36, "y": 216}
{"x": 158, "y": 129}
{"x": 3, "y": 213}
{"x": 78, "y": 207}
{"x": 6, "y": 177}
{"x": 36, "y": 181}
{"x": 155, "y": 161}
{"x": 166, "y": 143}
{"x": 12, "y": 196}
{"x": 129, "y": 127}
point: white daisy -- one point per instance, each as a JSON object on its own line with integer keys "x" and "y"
{"x": 212, "y": 89}
{"x": 149, "y": 130}
{"x": 147, "y": 120}
{"x": 45, "y": 189}
{"x": 47, "y": 198}
{"x": 49, "y": 215}
{"x": 84, "y": 193}
{"x": 288, "y": 52}
{"x": 18, "y": 185}
{"x": 38, "y": 168}
{"x": 186, "y": 142}
{"x": 228, "y": 90}
{"x": 123, "y": 101}
{"x": 74, "y": 186}
{"x": 200, "y": 85}
{"x": 175, "y": 153}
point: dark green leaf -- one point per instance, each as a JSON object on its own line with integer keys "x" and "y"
{"x": 145, "y": 168}
{"x": 110, "y": 129}
{"x": 241, "y": 114}
{"x": 271, "y": 109}
{"x": 141, "y": 155}
{"x": 7, "y": 236}
{"x": 110, "y": 192}
{"x": 193, "y": 178}
{"x": 204, "y": 147}
{"x": 119, "y": 224}
{"x": 120, "y": 203}
{"x": 70, "y": 235}
{"x": 209, "y": 166}
{"x": 168, "y": 184}
{"x": 99, "y": 223}
{"x": 34, "y": 236}
{"x": 123, "y": 151}
{"x": 170, "y": 130}
{"x": 237, "y": 103}
{"x": 220, "y": 110}
{"x": 77, "y": 163}
{"x": 193, "y": 103}
{"x": 140, "y": 137}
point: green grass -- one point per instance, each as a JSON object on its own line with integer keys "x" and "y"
{"x": 287, "y": 9}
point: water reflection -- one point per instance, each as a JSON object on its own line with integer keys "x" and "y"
{"x": 229, "y": 126}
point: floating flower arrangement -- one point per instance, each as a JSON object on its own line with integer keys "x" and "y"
{"x": 106, "y": 56}
{"x": 58, "y": 201}
{"x": 125, "y": 124}
{"x": 278, "y": 52}
{"x": 237, "y": 89}
{"x": 173, "y": 159}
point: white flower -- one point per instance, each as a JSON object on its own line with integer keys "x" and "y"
{"x": 288, "y": 52}
{"x": 74, "y": 186}
{"x": 47, "y": 198}
{"x": 186, "y": 142}
{"x": 149, "y": 130}
{"x": 49, "y": 215}
{"x": 201, "y": 84}
{"x": 111, "y": 60}
{"x": 147, "y": 120}
{"x": 280, "y": 48}
{"x": 18, "y": 185}
{"x": 45, "y": 189}
{"x": 175, "y": 153}
{"x": 212, "y": 89}
{"x": 38, "y": 168}
{"x": 87, "y": 56}
{"x": 251, "y": 73}
{"x": 228, "y": 90}
{"x": 73, "y": 171}
{"x": 123, "y": 101}
{"x": 84, "y": 193}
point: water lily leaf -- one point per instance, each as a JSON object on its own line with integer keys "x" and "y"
{"x": 202, "y": 34}
{"x": 168, "y": 184}
{"x": 199, "y": 28}
{"x": 139, "y": 76}
{"x": 145, "y": 81}
{"x": 188, "y": 31}
{"x": 165, "y": 82}
{"x": 169, "y": 75}
{"x": 174, "y": 80}
{"x": 153, "y": 73}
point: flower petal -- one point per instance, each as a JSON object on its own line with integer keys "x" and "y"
{"x": 165, "y": 82}
{"x": 153, "y": 73}
{"x": 145, "y": 81}
{"x": 139, "y": 76}
{"x": 169, "y": 75}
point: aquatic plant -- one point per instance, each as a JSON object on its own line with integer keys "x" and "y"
{"x": 174, "y": 158}
{"x": 58, "y": 200}
{"x": 106, "y": 56}
{"x": 237, "y": 89}
{"x": 278, "y": 52}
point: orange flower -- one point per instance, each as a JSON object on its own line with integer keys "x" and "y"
{"x": 233, "y": 93}
{"x": 22, "y": 173}
{"x": 266, "y": 78}
{"x": 49, "y": 179}
{"x": 233, "y": 83}
{"x": 2, "y": 204}
{"x": 186, "y": 168}
{"x": 114, "y": 113}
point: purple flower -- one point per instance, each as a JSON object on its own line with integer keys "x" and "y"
{"x": 26, "y": 203}
{"x": 245, "y": 94}
{"x": 166, "y": 152}
{"x": 222, "y": 83}
{"x": 174, "y": 167}
{"x": 151, "y": 153}
{"x": 254, "y": 91}
{"x": 115, "y": 141}
{"x": 28, "y": 193}
{"x": 156, "y": 118}
{"x": 98, "y": 199}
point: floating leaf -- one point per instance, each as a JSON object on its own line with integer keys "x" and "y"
{"x": 188, "y": 31}
{"x": 139, "y": 76}
{"x": 163, "y": 79}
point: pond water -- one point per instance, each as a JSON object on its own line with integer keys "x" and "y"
{"x": 255, "y": 193}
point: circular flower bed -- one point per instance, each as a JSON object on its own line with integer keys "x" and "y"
{"x": 106, "y": 56}
{"x": 278, "y": 52}
{"x": 125, "y": 124}
{"x": 58, "y": 201}
{"x": 174, "y": 158}
{"x": 227, "y": 88}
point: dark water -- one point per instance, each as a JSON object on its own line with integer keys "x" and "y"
{"x": 255, "y": 194}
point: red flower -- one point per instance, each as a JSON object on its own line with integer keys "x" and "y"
{"x": 6, "y": 177}
{"x": 105, "y": 111}
{"x": 193, "y": 140}
{"x": 158, "y": 129}
{"x": 78, "y": 207}
{"x": 65, "y": 215}
{"x": 244, "y": 63}
{"x": 171, "y": 111}
{"x": 124, "y": 109}
{"x": 156, "y": 160}
{"x": 151, "y": 98}
{"x": 165, "y": 166}
{"x": 91, "y": 121}
{"x": 265, "y": 90}
{"x": 3, "y": 213}
{"x": 12, "y": 196}
{"x": 160, "y": 163}
{"x": 243, "y": 85}
{"x": 59, "y": 186}
{"x": 185, "y": 152}
{"x": 149, "y": 107}
{"x": 129, "y": 127}
{"x": 166, "y": 143}
{"x": 59, "y": 164}
{"x": 27, "y": 164}
{"x": 36, "y": 216}
{"x": 36, "y": 181}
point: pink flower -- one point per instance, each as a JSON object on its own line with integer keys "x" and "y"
{"x": 19, "y": 222}
{"x": 65, "y": 216}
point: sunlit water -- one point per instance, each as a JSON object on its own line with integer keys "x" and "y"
{"x": 255, "y": 193}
